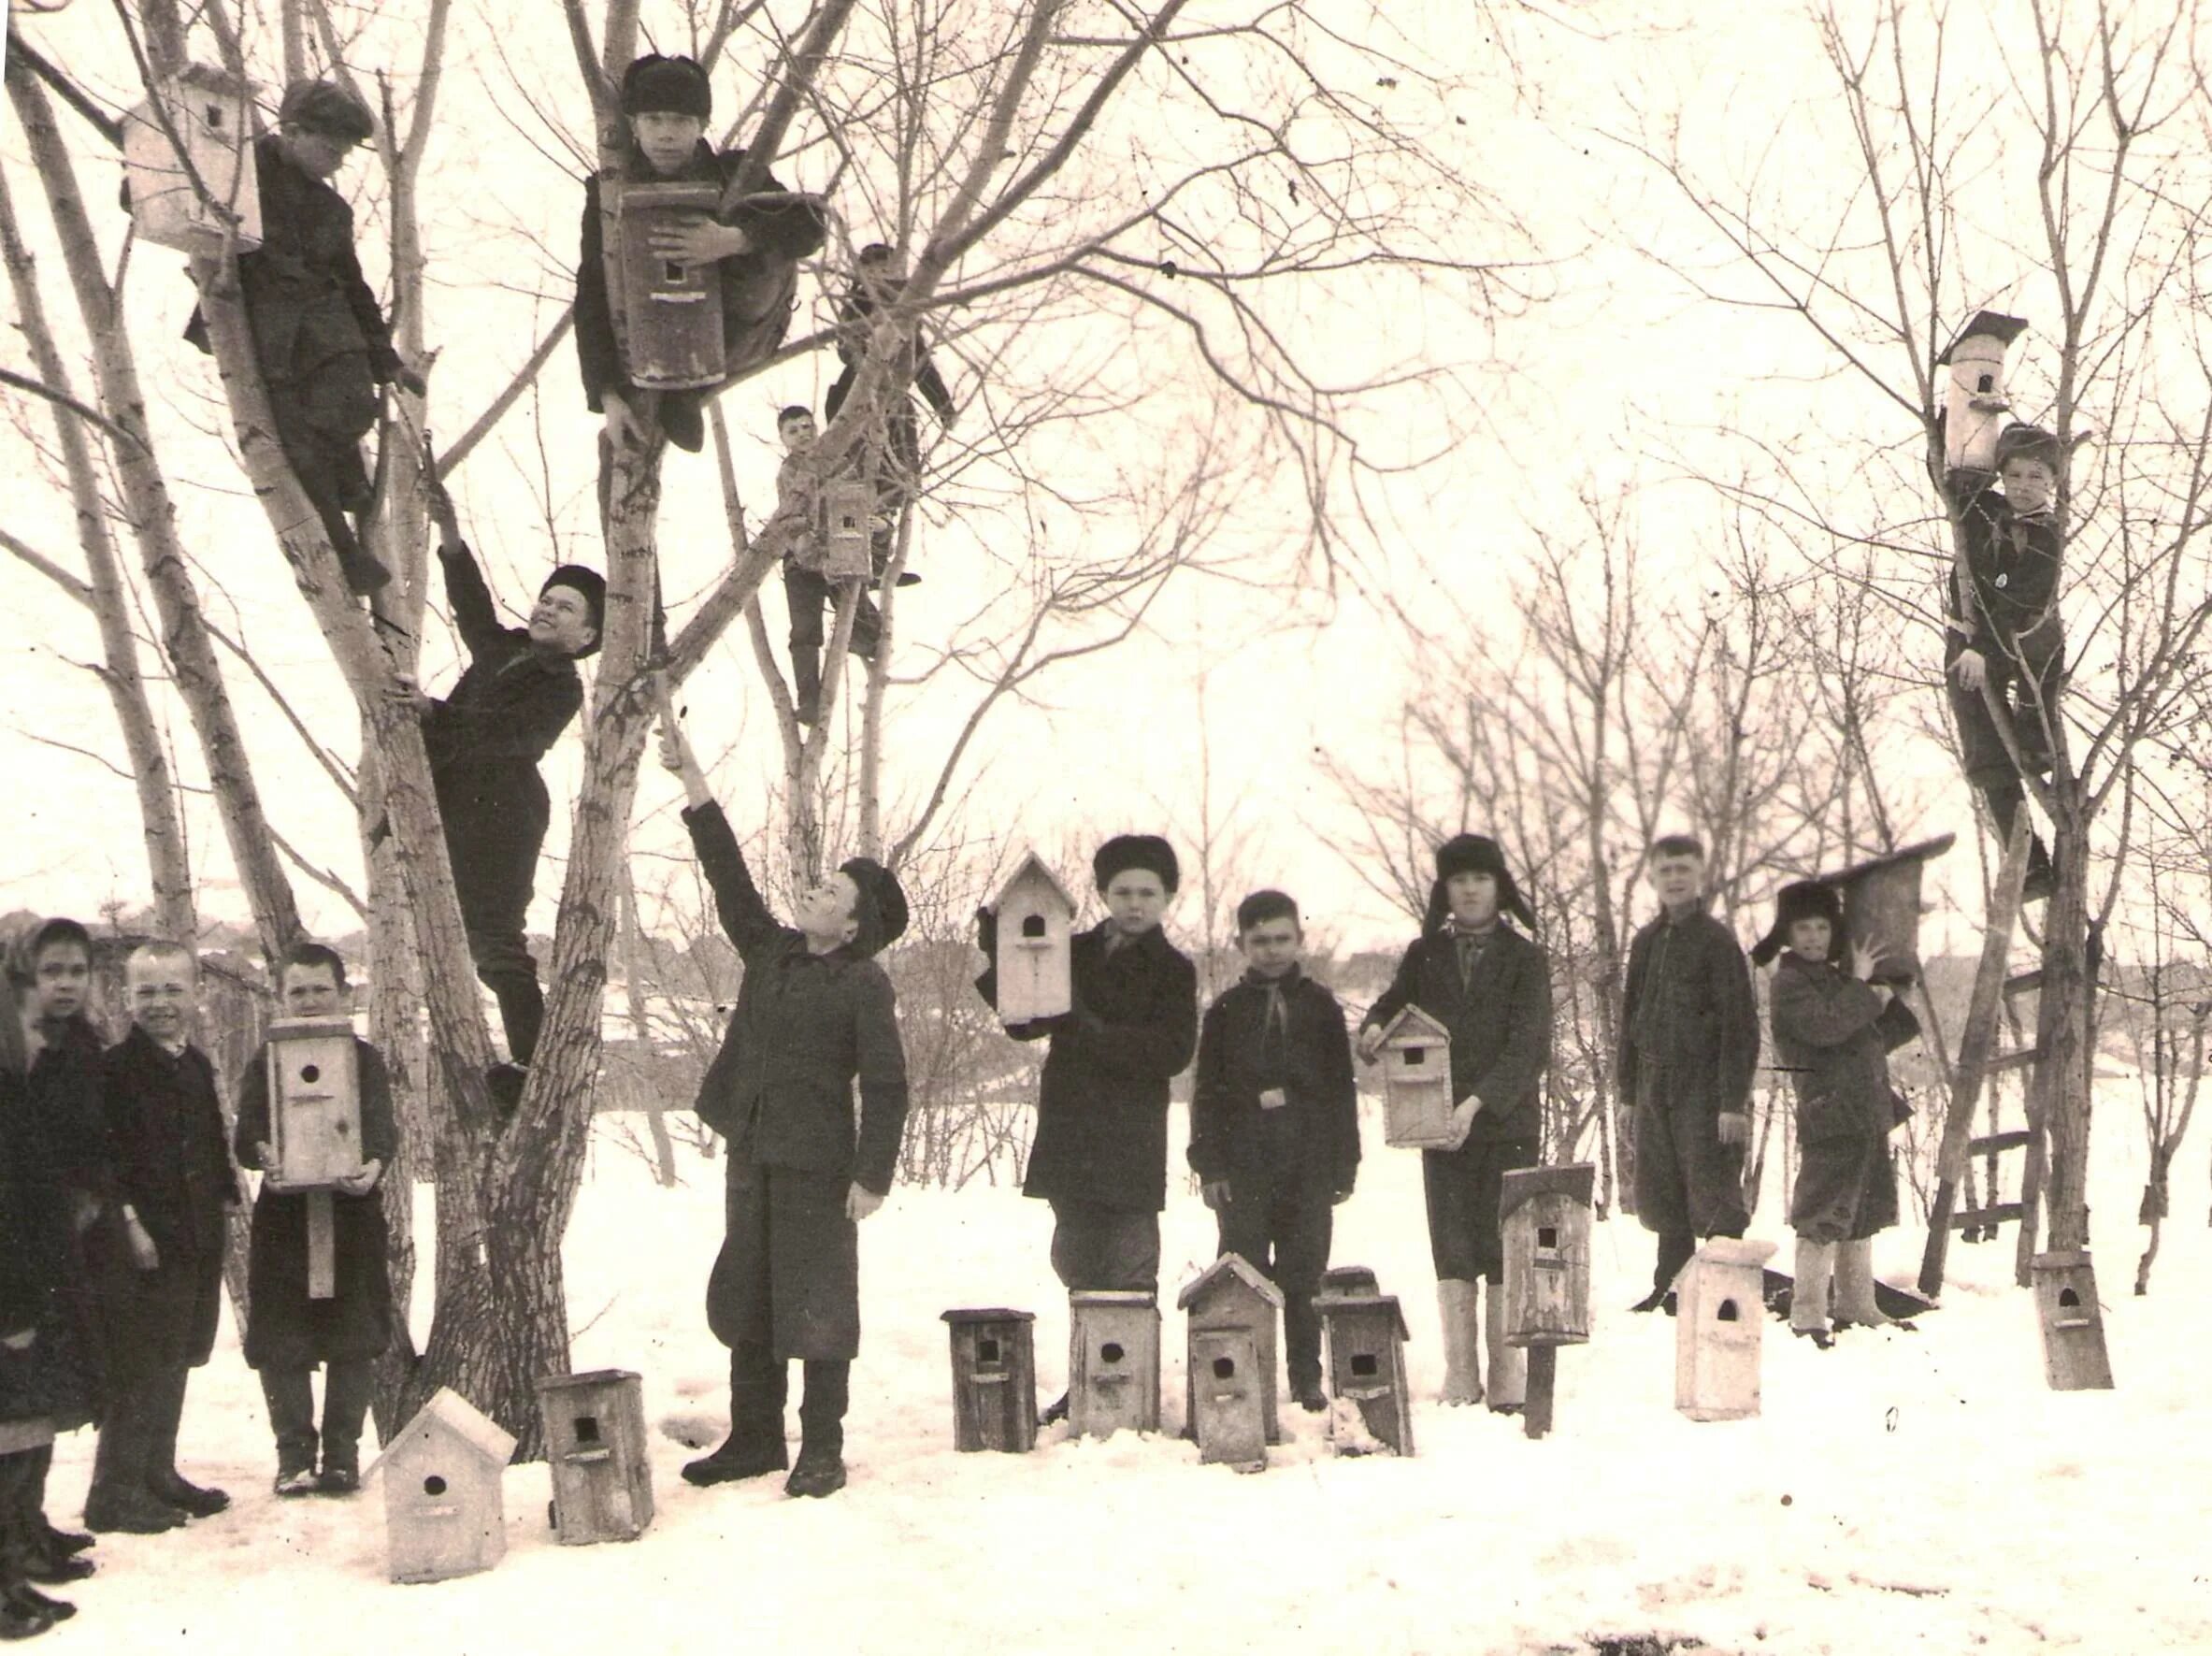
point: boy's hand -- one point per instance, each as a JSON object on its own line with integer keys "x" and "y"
{"x": 1462, "y": 1121}
{"x": 625, "y": 430}
{"x": 1865, "y": 957}
{"x": 1370, "y": 1042}
{"x": 144, "y": 1254}
{"x": 404, "y": 688}
{"x": 1735, "y": 1128}
{"x": 362, "y": 1180}
{"x": 860, "y": 1201}
{"x": 1972, "y": 670}
{"x": 1214, "y": 1194}
{"x": 411, "y": 383}
{"x": 699, "y": 241}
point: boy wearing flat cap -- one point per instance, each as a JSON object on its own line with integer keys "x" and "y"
{"x": 1490, "y": 987}
{"x": 1100, "y": 1154}
{"x": 816, "y": 1015}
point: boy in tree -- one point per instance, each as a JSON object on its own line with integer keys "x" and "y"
{"x": 289, "y": 1331}
{"x": 1689, "y": 1047}
{"x": 878, "y": 280}
{"x": 806, "y": 591}
{"x": 1490, "y": 987}
{"x": 816, "y": 1015}
{"x": 1274, "y": 1123}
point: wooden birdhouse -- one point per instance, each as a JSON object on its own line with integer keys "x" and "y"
{"x": 443, "y": 1511}
{"x": 1036, "y": 918}
{"x": 1719, "y": 1310}
{"x": 192, "y": 175}
{"x": 994, "y": 1381}
{"x": 1882, "y": 907}
{"x": 1544, "y": 1225}
{"x": 1975, "y": 405}
{"x": 1366, "y": 1335}
{"x": 1350, "y": 1279}
{"x": 314, "y": 1084}
{"x": 1113, "y": 1362}
{"x": 2073, "y": 1355}
{"x": 595, "y": 1445}
{"x": 1417, "y": 1081}
{"x": 1230, "y": 1378}
{"x": 847, "y": 535}
{"x": 670, "y": 312}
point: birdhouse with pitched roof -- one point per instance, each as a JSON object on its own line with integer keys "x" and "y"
{"x": 1545, "y": 1228}
{"x": 1230, "y": 1376}
{"x": 444, "y": 1513}
{"x": 1113, "y": 1362}
{"x": 1720, "y": 1306}
{"x": 1417, "y": 1081}
{"x": 1365, "y": 1334}
{"x": 670, "y": 314}
{"x": 1035, "y": 921}
{"x": 188, "y": 162}
{"x": 2073, "y": 1355}
{"x": 993, "y": 1380}
{"x": 1975, "y": 404}
{"x": 595, "y": 1445}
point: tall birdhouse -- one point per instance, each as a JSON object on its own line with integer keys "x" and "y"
{"x": 314, "y": 1084}
{"x": 191, "y": 176}
{"x": 1113, "y": 1362}
{"x": 994, "y": 1381}
{"x": 1544, "y": 1225}
{"x": 671, "y": 312}
{"x": 1417, "y": 1081}
{"x": 1230, "y": 1378}
{"x": 1975, "y": 405}
{"x": 847, "y": 536}
{"x": 1366, "y": 1336}
{"x": 1882, "y": 907}
{"x": 595, "y": 1442}
{"x": 2074, "y": 1356}
{"x": 1719, "y": 1304}
{"x": 442, "y": 1471}
{"x": 1036, "y": 918}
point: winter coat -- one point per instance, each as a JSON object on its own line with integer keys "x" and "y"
{"x": 47, "y": 1380}
{"x": 1833, "y": 1034}
{"x": 909, "y": 365}
{"x": 1689, "y": 1005}
{"x": 807, "y": 1026}
{"x": 288, "y": 1330}
{"x": 1500, "y": 1021}
{"x": 60, "y": 1162}
{"x": 1102, "y": 1102}
{"x": 1233, "y": 1136}
{"x": 2012, "y": 567}
{"x": 67, "y": 1123}
{"x": 510, "y": 705}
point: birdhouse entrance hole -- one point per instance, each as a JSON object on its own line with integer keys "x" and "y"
{"x": 1985, "y": 382}
{"x": 1225, "y": 1368}
{"x": 1110, "y": 1352}
{"x": 1727, "y": 1311}
{"x": 1547, "y": 1236}
{"x": 986, "y": 1351}
{"x": 311, "y": 1072}
{"x": 1363, "y": 1365}
{"x": 587, "y": 1429}
{"x": 1033, "y": 925}
{"x": 2068, "y": 1298}
{"x": 1416, "y": 1055}
{"x": 671, "y": 270}
{"x": 434, "y": 1484}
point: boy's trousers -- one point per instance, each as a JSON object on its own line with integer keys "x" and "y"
{"x": 1105, "y": 1249}
{"x": 291, "y": 1396}
{"x": 1281, "y": 1227}
{"x": 496, "y": 817}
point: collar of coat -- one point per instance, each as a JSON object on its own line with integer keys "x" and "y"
{"x": 1153, "y": 940}
{"x": 1287, "y": 983}
{"x": 141, "y": 1046}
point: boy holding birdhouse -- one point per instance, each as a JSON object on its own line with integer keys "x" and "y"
{"x": 1274, "y": 1123}
{"x": 809, "y": 589}
{"x": 292, "y": 1329}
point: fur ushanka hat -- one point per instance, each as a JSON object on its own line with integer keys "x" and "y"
{"x": 1475, "y": 854}
{"x": 1136, "y": 851}
{"x": 1804, "y": 900}
{"x": 657, "y": 86}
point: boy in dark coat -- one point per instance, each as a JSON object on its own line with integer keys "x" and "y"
{"x": 1689, "y": 1049}
{"x": 806, "y": 591}
{"x": 1100, "y": 1154}
{"x": 1834, "y": 1032}
{"x": 2002, "y": 626}
{"x": 173, "y": 1184}
{"x": 815, "y": 1014}
{"x": 877, "y": 281}
{"x": 288, "y": 1332}
{"x": 1491, "y": 988}
{"x": 1274, "y": 1123}
{"x": 755, "y": 244}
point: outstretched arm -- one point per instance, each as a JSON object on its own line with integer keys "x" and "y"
{"x": 745, "y": 915}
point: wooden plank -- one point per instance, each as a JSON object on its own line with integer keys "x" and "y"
{"x": 2004, "y": 1213}
{"x": 321, "y": 1247}
{"x": 2018, "y": 1058}
{"x": 2026, "y": 983}
{"x": 1543, "y": 1368}
{"x": 1991, "y": 1144}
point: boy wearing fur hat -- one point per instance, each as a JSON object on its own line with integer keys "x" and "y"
{"x": 1100, "y": 1154}
{"x": 1491, "y": 988}
{"x": 1832, "y": 1031}
{"x": 755, "y": 244}
{"x": 815, "y": 1014}
{"x": 1689, "y": 1049}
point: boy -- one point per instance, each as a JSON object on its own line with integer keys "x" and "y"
{"x": 173, "y": 1186}
{"x": 878, "y": 278}
{"x": 319, "y": 335}
{"x": 288, "y": 1332}
{"x": 1491, "y": 988}
{"x": 806, "y": 591}
{"x": 2001, "y": 629}
{"x": 1274, "y": 1123}
{"x": 515, "y": 697}
{"x": 1100, "y": 1154}
{"x": 1689, "y": 1047}
{"x": 815, "y": 1012}
{"x": 666, "y": 102}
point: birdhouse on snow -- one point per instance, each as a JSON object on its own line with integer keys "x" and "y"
{"x": 1975, "y": 404}
{"x": 1366, "y": 1336}
{"x": 670, "y": 315}
{"x": 1720, "y": 1305}
{"x": 2073, "y": 1355}
{"x": 1417, "y": 1081}
{"x": 1035, "y": 920}
{"x": 188, "y": 160}
{"x": 314, "y": 1087}
{"x": 444, "y": 1513}
{"x": 993, "y": 1380}
{"x": 1545, "y": 1227}
{"x": 1113, "y": 1362}
{"x": 1229, "y": 1375}
{"x": 594, "y": 1444}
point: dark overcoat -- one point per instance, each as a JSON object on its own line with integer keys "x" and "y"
{"x": 1833, "y": 1034}
{"x": 60, "y": 1160}
{"x": 1233, "y": 1136}
{"x": 1688, "y": 1004}
{"x": 1500, "y": 1022}
{"x": 49, "y": 1378}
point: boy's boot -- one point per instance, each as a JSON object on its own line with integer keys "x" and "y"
{"x": 1675, "y": 1248}
{"x": 821, "y": 1468}
{"x": 1462, "y": 1341}
{"x": 165, "y": 1415}
{"x": 758, "y": 1389}
{"x": 684, "y": 418}
{"x": 1808, "y": 1294}
{"x": 1855, "y": 1303}
{"x": 291, "y": 1398}
{"x": 118, "y": 1501}
{"x": 346, "y": 1386}
{"x": 1508, "y": 1364}
{"x": 52, "y": 1549}
{"x": 1302, "y": 1347}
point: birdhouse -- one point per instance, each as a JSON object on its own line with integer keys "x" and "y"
{"x": 1545, "y": 1224}
{"x": 671, "y": 312}
{"x": 1720, "y": 1307}
{"x": 1230, "y": 1380}
{"x": 1417, "y": 1081}
{"x": 994, "y": 1381}
{"x": 595, "y": 1442}
{"x": 188, "y": 161}
{"x": 1036, "y": 918}
{"x": 1349, "y": 1279}
{"x": 314, "y": 1086}
{"x": 847, "y": 536}
{"x": 1882, "y": 907}
{"x": 1365, "y": 1337}
{"x": 2074, "y": 1357}
{"x": 1975, "y": 405}
{"x": 1113, "y": 1362}
{"x": 442, "y": 1471}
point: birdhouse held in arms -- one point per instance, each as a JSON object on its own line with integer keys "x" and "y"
{"x": 190, "y": 178}
{"x": 1417, "y": 1081}
{"x": 847, "y": 504}
{"x": 1365, "y": 1337}
{"x": 443, "y": 1512}
{"x": 1720, "y": 1309}
{"x": 994, "y": 1381}
{"x": 595, "y": 1442}
{"x": 1882, "y": 907}
{"x": 1975, "y": 405}
{"x": 671, "y": 312}
{"x": 1036, "y": 918}
{"x": 1230, "y": 1379}
{"x": 1113, "y": 1362}
{"x": 1545, "y": 1224}
{"x": 314, "y": 1084}
{"x": 2074, "y": 1356}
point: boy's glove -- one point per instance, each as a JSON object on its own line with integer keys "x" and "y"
{"x": 1340, "y": 1195}
{"x": 986, "y": 934}
{"x": 1735, "y": 1128}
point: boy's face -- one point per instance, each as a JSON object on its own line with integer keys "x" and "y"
{"x": 61, "y": 980}
{"x": 825, "y": 910}
{"x": 1474, "y": 899}
{"x": 1678, "y": 878}
{"x": 667, "y": 138}
{"x": 1809, "y": 939}
{"x": 310, "y": 991}
{"x": 1272, "y": 946}
{"x": 2029, "y": 485}
{"x": 562, "y": 621}
{"x": 164, "y": 992}
{"x": 319, "y": 154}
{"x": 1135, "y": 899}
{"x": 798, "y": 434}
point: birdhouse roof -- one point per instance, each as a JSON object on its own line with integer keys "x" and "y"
{"x": 1033, "y": 867}
{"x": 448, "y": 1414}
{"x": 1922, "y": 852}
{"x": 1350, "y": 1279}
{"x": 994, "y": 1314}
{"x": 1326, "y": 1302}
{"x": 590, "y": 1377}
{"x": 1733, "y": 1250}
{"x": 1411, "y": 1024}
{"x": 1995, "y": 324}
{"x": 213, "y": 78}
{"x": 1219, "y": 1273}
{"x": 1576, "y": 1179}
{"x": 302, "y": 1029}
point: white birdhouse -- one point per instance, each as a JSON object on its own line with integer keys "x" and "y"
{"x": 1417, "y": 1081}
{"x": 185, "y": 189}
{"x": 847, "y": 503}
{"x": 1720, "y": 1307}
{"x": 1035, "y": 920}
{"x": 671, "y": 312}
{"x": 1976, "y": 406}
{"x": 314, "y": 1083}
{"x": 443, "y": 1471}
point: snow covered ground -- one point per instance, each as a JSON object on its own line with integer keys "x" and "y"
{"x": 1904, "y": 1492}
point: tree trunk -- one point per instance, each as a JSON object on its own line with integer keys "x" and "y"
{"x": 634, "y": 971}
{"x": 2061, "y": 1073}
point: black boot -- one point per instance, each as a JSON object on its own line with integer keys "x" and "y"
{"x": 756, "y": 1442}
{"x": 1054, "y": 1410}
{"x": 346, "y": 1388}
{"x": 163, "y": 1480}
{"x": 31, "y": 1602}
{"x": 821, "y": 1469}
{"x": 684, "y": 421}
{"x": 118, "y": 1501}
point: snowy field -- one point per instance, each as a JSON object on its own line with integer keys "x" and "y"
{"x": 1904, "y": 1492}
